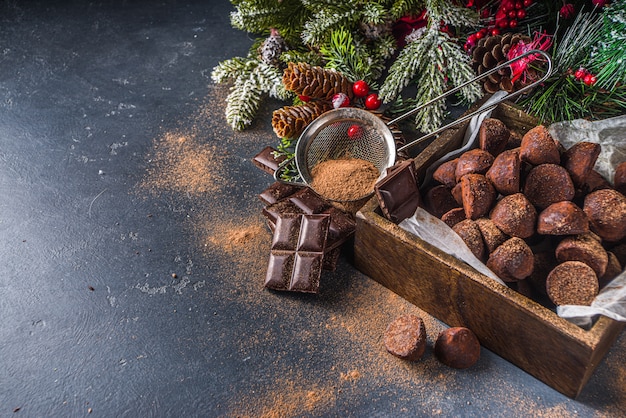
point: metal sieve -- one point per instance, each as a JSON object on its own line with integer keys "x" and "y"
{"x": 351, "y": 132}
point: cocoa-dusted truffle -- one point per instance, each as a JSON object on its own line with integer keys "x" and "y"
{"x": 579, "y": 160}
{"x": 493, "y": 136}
{"x": 538, "y": 147}
{"x": 504, "y": 173}
{"x": 547, "y": 184}
{"x": 572, "y": 283}
{"x": 515, "y": 216}
{"x": 619, "y": 178}
{"x": 457, "y": 347}
{"x": 405, "y": 337}
{"x": 445, "y": 173}
{"x": 470, "y": 233}
{"x": 583, "y": 248}
{"x": 453, "y": 217}
{"x": 473, "y": 161}
{"x": 606, "y": 210}
{"x": 457, "y": 194}
{"x": 595, "y": 181}
{"x": 613, "y": 268}
{"x": 492, "y": 235}
{"x": 562, "y": 218}
{"x": 512, "y": 261}
{"x": 478, "y": 195}
{"x": 439, "y": 200}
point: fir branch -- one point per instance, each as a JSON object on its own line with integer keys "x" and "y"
{"x": 458, "y": 69}
{"x": 232, "y": 69}
{"x": 372, "y": 12}
{"x": 316, "y": 30}
{"x": 402, "y": 8}
{"x": 341, "y": 54}
{"x": 270, "y": 80}
{"x": 258, "y": 16}
{"x": 243, "y": 102}
{"x": 608, "y": 57}
{"x": 310, "y": 57}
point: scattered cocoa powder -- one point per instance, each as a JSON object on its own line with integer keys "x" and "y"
{"x": 344, "y": 179}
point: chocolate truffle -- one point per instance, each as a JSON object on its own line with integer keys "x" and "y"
{"x": 493, "y": 136}
{"x": 606, "y": 210}
{"x": 439, "y": 200}
{"x": 504, "y": 173}
{"x": 579, "y": 160}
{"x": 492, "y": 235}
{"x": 594, "y": 182}
{"x": 470, "y": 233}
{"x": 473, "y": 161}
{"x": 405, "y": 337}
{"x": 512, "y": 261}
{"x": 572, "y": 283}
{"x": 583, "y": 248}
{"x": 515, "y": 216}
{"x": 478, "y": 195}
{"x": 445, "y": 173}
{"x": 538, "y": 147}
{"x": 457, "y": 347}
{"x": 562, "y": 218}
{"x": 619, "y": 178}
{"x": 547, "y": 184}
{"x": 613, "y": 268}
{"x": 453, "y": 217}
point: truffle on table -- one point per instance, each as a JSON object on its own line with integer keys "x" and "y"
{"x": 572, "y": 283}
{"x": 405, "y": 337}
{"x": 457, "y": 347}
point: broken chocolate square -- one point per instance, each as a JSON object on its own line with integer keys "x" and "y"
{"x": 398, "y": 193}
{"x": 278, "y": 191}
{"x": 267, "y": 161}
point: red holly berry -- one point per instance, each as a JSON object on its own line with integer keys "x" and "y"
{"x": 355, "y": 132}
{"x": 580, "y": 73}
{"x": 372, "y": 102}
{"x": 600, "y": 3}
{"x": 521, "y": 13}
{"x": 512, "y": 14}
{"x": 589, "y": 79}
{"x": 527, "y": 2}
{"x": 340, "y": 100}
{"x": 479, "y": 35}
{"x": 503, "y": 23}
{"x": 360, "y": 88}
{"x": 513, "y": 23}
{"x": 495, "y": 32}
{"x": 592, "y": 80}
{"x": 304, "y": 98}
{"x": 567, "y": 11}
{"x": 519, "y": 4}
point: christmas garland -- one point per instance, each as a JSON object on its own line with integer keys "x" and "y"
{"x": 320, "y": 54}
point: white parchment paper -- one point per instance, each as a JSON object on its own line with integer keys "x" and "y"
{"x": 611, "y": 133}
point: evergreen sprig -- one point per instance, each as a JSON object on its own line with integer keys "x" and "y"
{"x": 608, "y": 58}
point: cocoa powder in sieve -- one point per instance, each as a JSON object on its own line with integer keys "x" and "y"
{"x": 344, "y": 179}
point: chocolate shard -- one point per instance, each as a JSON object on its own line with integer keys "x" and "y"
{"x": 309, "y": 201}
{"x": 267, "y": 161}
{"x": 398, "y": 193}
{"x": 297, "y": 252}
{"x": 278, "y": 191}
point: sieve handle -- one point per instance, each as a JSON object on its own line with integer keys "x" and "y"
{"x": 481, "y": 110}
{"x": 279, "y": 171}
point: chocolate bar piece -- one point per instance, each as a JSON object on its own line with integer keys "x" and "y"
{"x": 398, "y": 193}
{"x": 341, "y": 228}
{"x": 278, "y": 191}
{"x": 282, "y": 207}
{"x": 309, "y": 201}
{"x": 267, "y": 161}
{"x": 331, "y": 258}
{"x": 297, "y": 252}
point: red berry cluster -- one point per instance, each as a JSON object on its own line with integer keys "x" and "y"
{"x": 507, "y": 16}
{"x": 585, "y": 76}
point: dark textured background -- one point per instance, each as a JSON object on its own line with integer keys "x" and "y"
{"x": 87, "y": 90}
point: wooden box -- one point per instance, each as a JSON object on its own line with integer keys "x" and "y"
{"x": 534, "y": 338}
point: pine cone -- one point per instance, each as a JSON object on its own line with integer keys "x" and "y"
{"x": 271, "y": 48}
{"x": 290, "y": 121}
{"x": 315, "y": 82}
{"x": 490, "y": 52}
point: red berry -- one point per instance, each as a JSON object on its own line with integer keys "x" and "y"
{"x": 471, "y": 38}
{"x": 495, "y": 32}
{"x": 304, "y": 98}
{"x": 512, "y": 14}
{"x": 580, "y": 73}
{"x": 355, "y": 132}
{"x": 360, "y": 88}
{"x": 372, "y": 102}
{"x": 567, "y": 11}
{"x": 593, "y": 79}
{"x": 340, "y": 100}
{"x": 519, "y": 4}
{"x": 521, "y": 13}
{"x": 504, "y": 23}
{"x": 513, "y": 23}
{"x": 527, "y": 2}
{"x": 479, "y": 35}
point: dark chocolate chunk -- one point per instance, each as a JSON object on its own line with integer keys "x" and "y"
{"x": 341, "y": 228}
{"x": 267, "y": 161}
{"x": 331, "y": 258}
{"x": 309, "y": 201}
{"x": 297, "y": 252}
{"x": 285, "y": 206}
{"x": 398, "y": 193}
{"x": 278, "y": 191}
